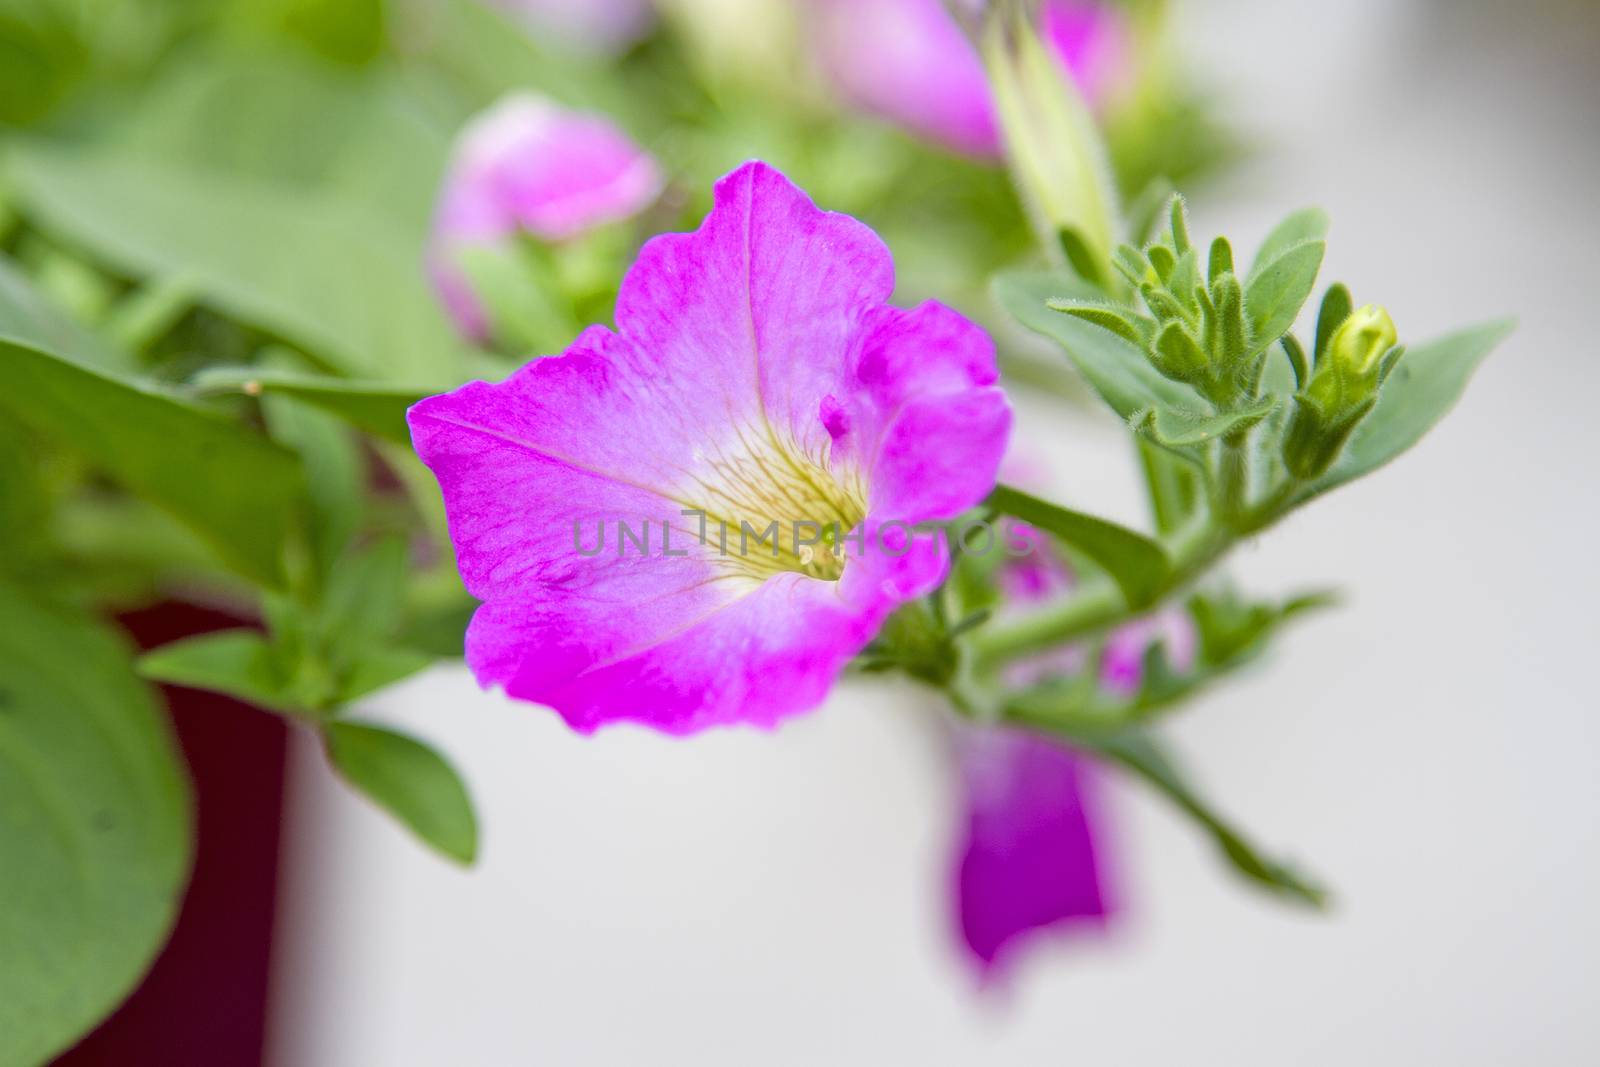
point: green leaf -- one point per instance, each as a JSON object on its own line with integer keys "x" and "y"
{"x": 379, "y": 668}
{"x": 240, "y": 663}
{"x": 1139, "y": 752}
{"x": 1336, "y": 307}
{"x": 94, "y": 827}
{"x": 1420, "y": 391}
{"x": 28, "y": 316}
{"x": 1307, "y": 224}
{"x": 1220, "y": 261}
{"x": 1119, "y": 320}
{"x": 1117, "y": 370}
{"x": 336, "y": 477}
{"x": 1139, "y": 565}
{"x": 365, "y": 597}
{"x": 1232, "y": 629}
{"x": 410, "y": 781}
{"x": 317, "y": 268}
{"x": 1180, "y": 428}
{"x": 1277, "y": 291}
{"x": 374, "y": 407}
{"x": 233, "y": 487}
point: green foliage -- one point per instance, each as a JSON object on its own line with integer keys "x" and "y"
{"x": 410, "y": 781}
{"x": 230, "y": 485}
{"x": 336, "y": 280}
{"x": 94, "y": 826}
{"x": 1137, "y": 564}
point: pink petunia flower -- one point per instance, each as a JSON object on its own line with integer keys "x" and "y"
{"x": 528, "y": 165}
{"x": 910, "y": 62}
{"x": 757, "y": 375}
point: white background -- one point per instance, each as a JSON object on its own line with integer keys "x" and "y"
{"x": 1430, "y": 749}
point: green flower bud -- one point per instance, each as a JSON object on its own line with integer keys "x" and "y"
{"x": 1361, "y": 340}
{"x": 1343, "y": 388}
{"x": 1053, "y": 149}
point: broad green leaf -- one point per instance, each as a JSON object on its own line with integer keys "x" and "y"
{"x": 1117, "y": 370}
{"x": 410, "y": 781}
{"x": 1421, "y": 389}
{"x": 94, "y": 827}
{"x": 233, "y": 487}
{"x": 321, "y": 270}
{"x": 262, "y": 112}
{"x": 239, "y": 663}
{"x": 1307, "y": 224}
{"x": 1179, "y": 428}
{"x": 26, "y": 502}
{"x": 1141, "y": 753}
{"x": 377, "y": 408}
{"x": 1275, "y": 294}
{"x": 1139, "y": 565}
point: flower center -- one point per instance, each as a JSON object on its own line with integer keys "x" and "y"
{"x": 768, "y": 507}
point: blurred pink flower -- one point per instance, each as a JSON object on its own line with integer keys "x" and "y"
{"x": 1031, "y": 856}
{"x": 528, "y": 165}
{"x": 757, "y": 374}
{"x": 910, "y": 62}
{"x": 595, "y": 25}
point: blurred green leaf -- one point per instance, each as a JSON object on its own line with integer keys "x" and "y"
{"x": 318, "y": 269}
{"x": 1307, "y": 224}
{"x": 378, "y": 668}
{"x": 1420, "y": 391}
{"x": 1139, "y": 565}
{"x": 236, "y": 489}
{"x": 410, "y": 781}
{"x": 1139, "y": 752}
{"x": 377, "y": 408}
{"x": 1118, "y": 371}
{"x": 94, "y": 827}
{"x": 240, "y": 663}
{"x": 336, "y": 477}
{"x": 27, "y": 315}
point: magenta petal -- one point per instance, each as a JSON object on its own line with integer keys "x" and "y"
{"x": 738, "y": 386}
{"x": 1030, "y": 859}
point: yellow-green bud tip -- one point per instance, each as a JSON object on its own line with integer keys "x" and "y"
{"x": 1362, "y": 339}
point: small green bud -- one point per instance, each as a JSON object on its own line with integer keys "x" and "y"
{"x": 1343, "y": 389}
{"x": 1361, "y": 340}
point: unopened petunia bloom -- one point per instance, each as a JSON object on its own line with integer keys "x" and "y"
{"x": 1031, "y": 856}
{"x": 757, "y": 380}
{"x": 528, "y": 165}
{"x": 594, "y": 25}
{"x": 910, "y": 62}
